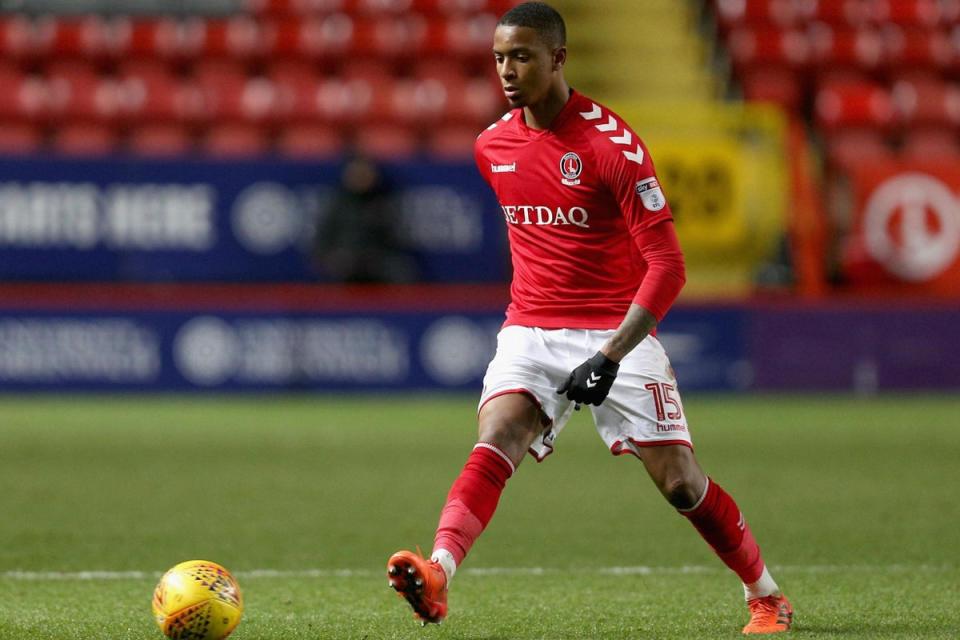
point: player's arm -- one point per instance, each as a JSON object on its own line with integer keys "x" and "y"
{"x": 665, "y": 277}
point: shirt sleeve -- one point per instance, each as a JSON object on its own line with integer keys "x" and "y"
{"x": 632, "y": 179}
{"x": 666, "y": 273}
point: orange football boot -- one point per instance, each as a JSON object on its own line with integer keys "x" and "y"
{"x": 422, "y": 582}
{"x": 770, "y": 614}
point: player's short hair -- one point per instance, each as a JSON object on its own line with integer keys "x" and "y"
{"x": 542, "y": 18}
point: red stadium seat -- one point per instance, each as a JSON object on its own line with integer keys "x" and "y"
{"x": 452, "y": 143}
{"x": 397, "y": 37}
{"x": 910, "y": 13}
{"x": 733, "y": 13}
{"x": 310, "y": 142}
{"x": 384, "y": 142}
{"x": 293, "y": 7}
{"x": 18, "y": 38}
{"x": 235, "y": 140}
{"x": 855, "y": 147}
{"x": 87, "y": 37}
{"x": 478, "y": 103}
{"x": 165, "y": 38}
{"x": 838, "y": 13}
{"x": 12, "y": 81}
{"x": 849, "y": 105}
{"x": 296, "y": 84}
{"x": 925, "y": 100}
{"x": 238, "y": 37}
{"x": 154, "y": 96}
{"x": 323, "y": 37}
{"x": 470, "y": 36}
{"x": 19, "y": 138}
{"x": 775, "y": 85}
{"x": 832, "y": 48}
{"x": 84, "y": 139}
{"x": 79, "y": 92}
{"x": 931, "y": 144}
{"x": 420, "y": 103}
{"x": 160, "y": 140}
{"x": 768, "y": 47}
{"x": 913, "y": 48}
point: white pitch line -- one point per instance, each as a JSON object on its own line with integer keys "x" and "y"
{"x": 94, "y": 575}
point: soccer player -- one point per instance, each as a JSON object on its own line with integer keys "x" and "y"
{"x": 596, "y": 264}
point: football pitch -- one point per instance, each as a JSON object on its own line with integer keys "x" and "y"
{"x": 853, "y": 501}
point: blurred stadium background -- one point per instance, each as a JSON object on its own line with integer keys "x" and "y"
{"x": 165, "y": 168}
{"x": 169, "y": 172}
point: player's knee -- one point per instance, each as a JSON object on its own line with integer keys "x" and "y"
{"x": 680, "y": 491}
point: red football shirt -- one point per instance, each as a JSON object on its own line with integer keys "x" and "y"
{"x": 575, "y": 198}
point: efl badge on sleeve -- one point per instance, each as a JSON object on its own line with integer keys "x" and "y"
{"x": 570, "y": 168}
{"x": 651, "y": 194}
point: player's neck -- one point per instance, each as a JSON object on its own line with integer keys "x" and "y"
{"x": 542, "y": 114}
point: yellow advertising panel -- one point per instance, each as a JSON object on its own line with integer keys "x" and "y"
{"x": 724, "y": 171}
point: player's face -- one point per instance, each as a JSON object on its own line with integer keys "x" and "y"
{"x": 525, "y": 64}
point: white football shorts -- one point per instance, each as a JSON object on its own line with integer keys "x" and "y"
{"x": 643, "y": 408}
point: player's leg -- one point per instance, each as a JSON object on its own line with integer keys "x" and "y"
{"x": 508, "y": 425}
{"x": 718, "y": 519}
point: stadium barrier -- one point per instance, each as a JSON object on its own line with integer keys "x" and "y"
{"x": 192, "y": 220}
{"x": 316, "y": 338}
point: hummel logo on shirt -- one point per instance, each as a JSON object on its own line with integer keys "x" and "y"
{"x": 504, "y": 168}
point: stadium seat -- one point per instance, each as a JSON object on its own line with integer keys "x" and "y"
{"x": 318, "y": 38}
{"x": 913, "y": 48}
{"x": 394, "y": 37}
{"x": 931, "y": 145}
{"x": 87, "y": 37}
{"x": 775, "y": 85}
{"x": 296, "y": 84}
{"x": 235, "y": 140}
{"x": 386, "y": 142}
{"x": 420, "y": 102}
{"x": 165, "y": 38}
{"x": 19, "y": 138}
{"x": 838, "y": 13}
{"x": 768, "y": 47}
{"x": 468, "y": 36}
{"x": 851, "y": 48}
{"x": 78, "y": 91}
{"x": 913, "y": 13}
{"x": 18, "y": 37}
{"x": 452, "y": 143}
{"x": 854, "y": 104}
{"x": 733, "y": 13}
{"x": 159, "y": 140}
{"x": 310, "y": 141}
{"x": 848, "y": 149}
{"x": 925, "y": 100}
{"x": 84, "y": 139}
{"x": 12, "y": 80}
{"x": 237, "y": 38}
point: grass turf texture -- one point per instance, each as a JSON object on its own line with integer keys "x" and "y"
{"x": 852, "y": 500}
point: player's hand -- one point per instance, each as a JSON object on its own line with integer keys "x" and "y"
{"x": 590, "y": 382}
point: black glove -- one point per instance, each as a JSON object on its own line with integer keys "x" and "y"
{"x": 590, "y": 382}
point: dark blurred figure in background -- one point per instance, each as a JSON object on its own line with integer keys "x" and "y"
{"x": 356, "y": 239}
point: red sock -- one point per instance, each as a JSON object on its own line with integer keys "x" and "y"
{"x": 472, "y": 500}
{"x": 719, "y": 521}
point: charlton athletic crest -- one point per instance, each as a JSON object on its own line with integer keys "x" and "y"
{"x": 570, "y": 168}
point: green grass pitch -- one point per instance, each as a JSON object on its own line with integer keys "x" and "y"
{"x": 853, "y": 500}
